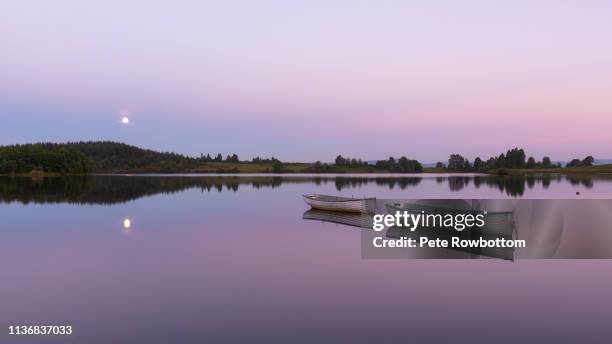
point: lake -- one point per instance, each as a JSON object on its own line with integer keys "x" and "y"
{"x": 217, "y": 259}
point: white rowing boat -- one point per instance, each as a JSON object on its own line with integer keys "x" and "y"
{"x": 344, "y": 204}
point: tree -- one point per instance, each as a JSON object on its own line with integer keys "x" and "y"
{"x": 546, "y": 163}
{"x": 501, "y": 161}
{"x": 519, "y": 158}
{"x": 439, "y": 164}
{"x": 51, "y": 158}
{"x": 456, "y": 162}
{"x": 406, "y": 165}
{"x": 277, "y": 166}
{"x": 478, "y": 164}
{"x": 588, "y": 161}
{"x": 417, "y": 166}
{"x": 515, "y": 158}
{"x": 340, "y": 161}
{"x": 491, "y": 162}
{"x": 531, "y": 163}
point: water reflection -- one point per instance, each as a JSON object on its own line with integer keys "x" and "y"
{"x": 226, "y": 247}
{"x": 121, "y": 189}
{"x": 559, "y": 229}
{"x": 498, "y": 225}
{"x": 360, "y": 220}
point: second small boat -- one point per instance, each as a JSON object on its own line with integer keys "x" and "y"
{"x": 343, "y": 204}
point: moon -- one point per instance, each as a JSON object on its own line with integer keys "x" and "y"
{"x": 125, "y": 120}
{"x": 127, "y": 224}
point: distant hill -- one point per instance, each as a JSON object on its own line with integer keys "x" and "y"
{"x": 109, "y": 156}
{"x": 83, "y": 157}
{"x": 39, "y": 158}
{"x": 603, "y": 161}
{"x": 596, "y": 162}
{"x": 429, "y": 164}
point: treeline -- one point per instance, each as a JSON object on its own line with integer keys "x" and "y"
{"x": 43, "y": 158}
{"x": 513, "y": 159}
{"x": 258, "y": 160}
{"x": 588, "y": 161}
{"x": 343, "y": 164}
{"x": 342, "y": 161}
{"x": 235, "y": 159}
{"x": 107, "y": 156}
{"x": 219, "y": 158}
{"x": 112, "y": 157}
{"x": 84, "y": 157}
{"x": 401, "y": 165}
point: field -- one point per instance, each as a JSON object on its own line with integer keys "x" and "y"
{"x": 248, "y": 167}
{"x": 244, "y": 167}
{"x": 298, "y": 167}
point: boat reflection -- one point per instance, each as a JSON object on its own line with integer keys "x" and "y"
{"x": 551, "y": 229}
{"x": 498, "y": 225}
{"x": 360, "y": 220}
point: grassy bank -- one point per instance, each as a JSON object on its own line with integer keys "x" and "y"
{"x": 224, "y": 167}
{"x": 298, "y": 167}
{"x": 586, "y": 170}
{"x": 246, "y": 167}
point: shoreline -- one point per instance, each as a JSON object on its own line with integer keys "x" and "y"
{"x": 509, "y": 173}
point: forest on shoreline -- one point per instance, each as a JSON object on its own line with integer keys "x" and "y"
{"x": 114, "y": 157}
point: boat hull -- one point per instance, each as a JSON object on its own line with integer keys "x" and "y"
{"x": 351, "y": 205}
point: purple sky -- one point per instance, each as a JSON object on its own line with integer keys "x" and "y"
{"x": 308, "y": 80}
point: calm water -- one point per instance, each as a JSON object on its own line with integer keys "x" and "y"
{"x": 230, "y": 259}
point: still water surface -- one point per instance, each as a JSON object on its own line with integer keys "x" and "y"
{"x": 158, "y": 259}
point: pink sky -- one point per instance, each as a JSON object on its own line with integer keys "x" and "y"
{"x": 309, "y": 80}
